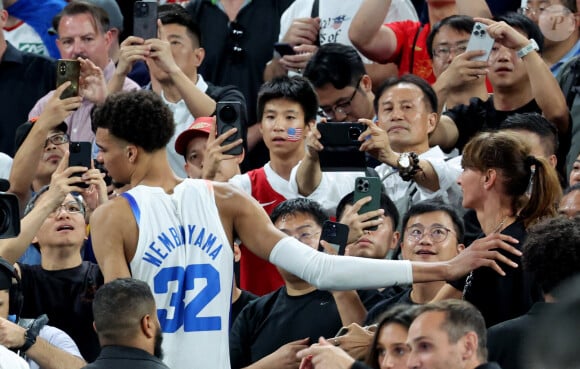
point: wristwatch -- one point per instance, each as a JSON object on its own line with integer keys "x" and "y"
{"x": 532, "y": 46}
{"x": 32, "y": 332}
{"x": 408, "y": 165}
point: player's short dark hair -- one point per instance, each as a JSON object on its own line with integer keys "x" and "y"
{"x": 424, "y": 86}
{"x": 119, "y": 306}
{"x": 139, "y": 117}
{"x": 296, "y": 89}
{"x": 299, "y": 205}
{"x": 552, "y": 251}
{"x": 386, "y": 204}
{"x": 337, "y": 64}
{"x": 459, "y": 23}
{"x": 431, "y": 206}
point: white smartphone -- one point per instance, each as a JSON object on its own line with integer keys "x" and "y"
{"x": 480, "y": 40}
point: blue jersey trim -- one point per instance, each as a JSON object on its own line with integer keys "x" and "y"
{"x": 134, "y": 207}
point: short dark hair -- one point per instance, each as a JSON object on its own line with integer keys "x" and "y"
{"x": 570, "y": 4}
{"x": 119, "y": 306}
{"x": 139, "y": 117}
{"x": 387, "y": 205}
{"x": 337, "y": 64}
{"x": 99, "y": 15}
{"x": 534, "y": 123}
{"x": 296, "y": 89}
{"x": 401, "y": 314}
{"x": 552, "y": 251}
{"x": 299, "y": 205}
{"x": 460, "y": 23}
{"x": 461, "y": 317}
{"x": 423, "y": 85}
{"x": 431, "y": 206}
{"x": 176, "y": 14}
{"x": 525, "y": 24}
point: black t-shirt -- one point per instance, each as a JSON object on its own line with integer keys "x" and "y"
{"x": 480, "y": 116}
{"x": 403, "y": 297}
{"x": 241, "y": 303}
{"x": 275, "y": 319}
{"x": 500, "y": 298}
{"x": 66, "y": 296}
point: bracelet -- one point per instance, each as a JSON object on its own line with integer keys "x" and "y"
{"x": 407, "y": 170}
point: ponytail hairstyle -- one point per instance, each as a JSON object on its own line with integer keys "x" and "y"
{"x": 517, "y": 170}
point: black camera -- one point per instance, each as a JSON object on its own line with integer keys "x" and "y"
{"x": 9, "y": 212}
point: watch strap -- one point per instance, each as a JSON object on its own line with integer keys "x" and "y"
{"x": 32, "y": 332}
{"x": 409, "y": 172}
{"x": 531, "y": 46}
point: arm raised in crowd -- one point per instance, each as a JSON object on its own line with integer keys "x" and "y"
{"x": 368, "y": 34}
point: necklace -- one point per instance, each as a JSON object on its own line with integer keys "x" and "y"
{"x": 498, "y": 227}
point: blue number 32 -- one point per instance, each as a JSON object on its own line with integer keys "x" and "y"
{"x": 183, "y": 314}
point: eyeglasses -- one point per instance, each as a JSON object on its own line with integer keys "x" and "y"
{"x": 71, "y": 207}
{"x": 444, "y": 51}
{"x": 235, "y": 37}
{"x": 528, "y": 12}
{"x": 305, "y": 237}
{"x": 343, "y": 108}
{"x": 58, "y": 139}
{"x": 436, "y": 233}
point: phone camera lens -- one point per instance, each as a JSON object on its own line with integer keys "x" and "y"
{"x": 228, "y": 114}
{"x": 354, "y": 133}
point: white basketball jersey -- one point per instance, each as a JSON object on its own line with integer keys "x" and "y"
{"x": 184, "y": 255}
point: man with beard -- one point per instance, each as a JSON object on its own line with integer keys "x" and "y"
{"x": 127, "y": 325}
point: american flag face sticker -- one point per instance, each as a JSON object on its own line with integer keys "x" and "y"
{"x": 294, "y": 134}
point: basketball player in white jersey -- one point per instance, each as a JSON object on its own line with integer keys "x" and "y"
{"x": 176, "y": 234}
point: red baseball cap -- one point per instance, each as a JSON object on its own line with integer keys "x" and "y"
{"x": 201, "y": 125}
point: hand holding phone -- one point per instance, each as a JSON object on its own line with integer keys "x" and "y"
{"x": 336, "y": 234}
{"x": 68, "y": 70}
{"x": 368, "y": 186}
{"x": 284, "y": 49}
{"x": 341, "y": 146}
{"x": 80, "y": 155}
{"x": 480, "y": 40}
{"x": 228, "y": 116}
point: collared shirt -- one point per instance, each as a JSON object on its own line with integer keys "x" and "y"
{"x": 183, "y": 120}
{"x": 574, "y": 51}
{"x": 79, "y": 122}
{"x": 24, "y": 78}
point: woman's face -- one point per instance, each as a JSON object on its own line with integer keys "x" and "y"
{"x": 470, "y": 182}
{"x": 392, "y": 346}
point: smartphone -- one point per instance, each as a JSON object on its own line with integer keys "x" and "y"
{"x": 284, "y": 49}
{"x": 228, "y": 116}
{"x": 336, "y": 234}
{"x": 480, "y": 40}
{"x": 368, "y": 186}
{"x": 341, "y": 146}
{"x": 68, "y": 70}
{"x": 145, "y": 19}
{"x": 80, "y": 155}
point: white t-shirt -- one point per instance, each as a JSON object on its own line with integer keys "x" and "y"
{"x": 9, "y": 360}
{"x": 336, "y": 17}
{"x": 5, "y": 165}
{"x": 25, "y": 38}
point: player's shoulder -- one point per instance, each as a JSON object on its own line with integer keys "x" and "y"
{"x": 115, "y": 209}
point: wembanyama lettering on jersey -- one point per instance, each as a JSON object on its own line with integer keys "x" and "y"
{"x": 185, "y": 256}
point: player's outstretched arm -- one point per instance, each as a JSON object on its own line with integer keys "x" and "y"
{"x": 112, "y": 225}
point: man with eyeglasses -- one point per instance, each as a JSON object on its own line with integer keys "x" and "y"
{"x": 63, "y": 285}
{"x": 274, "y": 327}
{"x": 459, "y": 78}
{"x": 410, "y": 169}
{"x": 558, "y": 20}
{"x": 432, "y": 231}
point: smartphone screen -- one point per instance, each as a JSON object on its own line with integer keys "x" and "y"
{"x": 145, "y": 19}
{"x": 68, "y": 70}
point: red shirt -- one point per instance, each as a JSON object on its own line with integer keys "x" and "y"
{"x": 405, "y": 31}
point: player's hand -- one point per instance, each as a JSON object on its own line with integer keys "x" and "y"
{"x": 355, "y": 342}
{"x": 324, "y": 355}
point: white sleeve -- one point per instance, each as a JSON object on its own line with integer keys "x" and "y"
{"x": 332, "y": 272}
{"x": 59, "y": 339}
{"x": 242, "y": 181}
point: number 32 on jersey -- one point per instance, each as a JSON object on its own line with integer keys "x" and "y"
{"x": 186, "y": 315}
